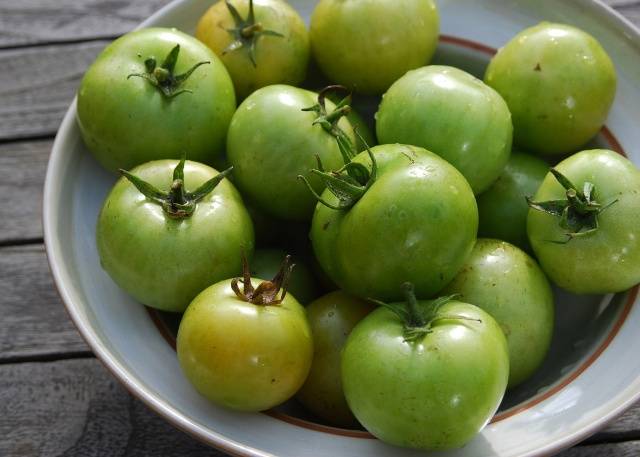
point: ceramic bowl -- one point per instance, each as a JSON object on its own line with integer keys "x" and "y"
{"x": 590, "y": 376}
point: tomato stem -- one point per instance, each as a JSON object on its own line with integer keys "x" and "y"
{"x": 163, "y": 78}
{"x": 578, "y": 213}
{"x": 267, "y": 291}
{"x": 177, "y": 203}
{"x": 418, "y": 318}
{"x": 348, "y": 183}
{"x": 246, "y": 32}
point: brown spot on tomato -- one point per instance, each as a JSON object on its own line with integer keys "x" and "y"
{"x": 537, "y": 67}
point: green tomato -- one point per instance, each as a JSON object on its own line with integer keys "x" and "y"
{"x": 417, "y": 222}
{"x": 503, "y": 207}
{"x": 126, "y": 120}
{"x": 429, "y": 387}
{"x": 272, "y": 48}
{"x": 241, "y": 355}
{"x": 367, "y": 44}
{"x": 165, "y": 260}
{"x": 453, "y": 114}
{"x": 599, "y": 251}
{"x": 508, "y": 284}
{"x": 302, "y": 285}
{"x": 559, "y": 84}
{"x": 272, "y": 141}
{"x": 332, "y": 317}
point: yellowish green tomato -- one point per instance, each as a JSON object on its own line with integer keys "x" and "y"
{"x": 267, "y": 46}
{"x": 332, "y": 317}
{"x": 164, "y": 246}
{"x": 452, "y": 113}
{"x": 153, "y": 94}
{"x": 302, "y": 285}
{"x": 584, "y": 223}
{"x": 559, "y": 84}
{"x": 426, "y": 374}
{"x": 503, "y": 207}
{"x": 367, "y": 44}
{"x": 272, "y": 141}
{"x": 245, "y": 349}
{"x": 508, "y": 284}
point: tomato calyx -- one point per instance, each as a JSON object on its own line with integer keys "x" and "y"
{"x": 578, "y": 213}
{"x": 177, "y": 203}
{"x": 246, "y": 32}
{"x": 162, "y": 76}
{"x": 350, "y": 182}
{"x": 267, "y": 291}
{"x": 329, "y": 121}
{"x": 418, "y": 319}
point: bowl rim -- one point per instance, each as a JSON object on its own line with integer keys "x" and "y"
{"x": 158, "y": 405}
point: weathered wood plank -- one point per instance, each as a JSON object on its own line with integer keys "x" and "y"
{"x": 624, "y": 449}
{"x": 34, "y": 322}
{"x": 38, "y": 84}
{"x": 29, "y": 22}
{"x": 76, "y": 409}
{"x": 22, "y": 170}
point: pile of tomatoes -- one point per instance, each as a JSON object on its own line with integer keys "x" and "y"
{"x": 425, "y": 325}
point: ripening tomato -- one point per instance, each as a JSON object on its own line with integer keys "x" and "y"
{"x": 168, "y": 229}
{"x": 584, "y": 223}
{"x": 559, "y": 84}
{"x": 154, "y": 94}
{"x": 425, "y": 374}
{"x": 261, "y": 42}
{"x": 243, "y": 347}
{"x": 367, "y": 44}
{"x": 332, "y": 317}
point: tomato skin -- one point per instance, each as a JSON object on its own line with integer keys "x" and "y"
{"x": 162, "y": 262}
{"x": 302, "y": 285}
{"x": 279, "y": 60}
{"x": 601, "y": 262}
{"x": 243, "y": 356}
{"x": 503, "y": 208}
{"x": 126, "y": 121}
{"x": 508, "y": 284}
{"x": 452, "y": 113}
{"x": 434, "y": 393}
{"x": 570, "y": 77}
{"x": 267, "y": 165}
{"x": 417, "y": 223}
{"x": 332, "y": 317}
{"x": 367, "y": 44}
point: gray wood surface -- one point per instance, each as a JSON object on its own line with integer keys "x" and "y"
{"x": 55, "y": 397}
{"x": 34, "y": 322}
{"x": 43, "y": 82}
{"x": 29, "y": 22}
{"x": 75, "y": 408}
{"x": 22, "y": 169}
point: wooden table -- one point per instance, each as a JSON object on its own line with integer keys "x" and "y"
{"x": 55, "y": 397}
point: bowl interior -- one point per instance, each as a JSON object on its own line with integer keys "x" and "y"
{"x": 562, "y": 402}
